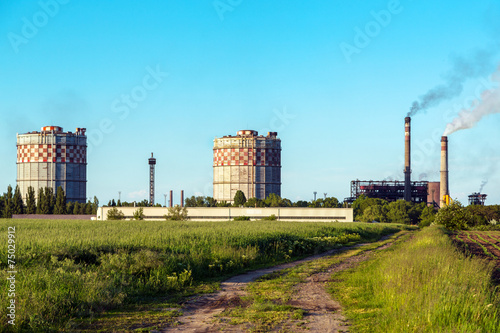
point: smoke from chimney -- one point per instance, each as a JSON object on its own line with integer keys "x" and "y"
{"x": 483, "y": 183}
{"x": 489, "y": 104}
{"x": 479, "y": 63}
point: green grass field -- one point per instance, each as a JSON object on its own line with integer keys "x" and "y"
{"x": 78, "y": 269}
{"x": 422, "y": 285}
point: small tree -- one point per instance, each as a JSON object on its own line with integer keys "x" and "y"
{"x": 60, "y": 207}
{"x": 39, "y": 201}
{"x": 7, "y": 212}
{"x": 254, "y": 202}
{"x": 88, "y": 208}
{"x": 48, "y": 201}
{"x": 398, "y": 212}
{"x": 177, "y": 213}
{"x": 95, "y": 205}
{"x": 115, "y": 214}
{"x": 17, "y": 202}
{"x": 139, "y": 214}
{"x": 273, "y": 200}
{"x": 76, "y": 208}
{"x": 239, "y": 198}
{"x": 374, "y": 213}
{"x": 30, "y": 201}
{"x": 427, "y": 216}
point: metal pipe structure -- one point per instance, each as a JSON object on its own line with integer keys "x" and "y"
{"x": 407, "y": 169}
{"x": 152, "y": 163}
{"x": 443, "y": 188}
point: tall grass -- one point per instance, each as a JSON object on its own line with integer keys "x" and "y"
{"x": 423, "y": 285}
{"x": 70, "y": 269}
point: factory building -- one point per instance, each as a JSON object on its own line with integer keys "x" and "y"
{"x": 421, "y": 191}
{"x": 53, "y": 158}
{"x": 411, "y": 191}
{"x": 248, "y": 162}
{"x": 477, "y": 199}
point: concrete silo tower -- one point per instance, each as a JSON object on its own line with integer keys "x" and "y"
{"x": 53, "y": 158}
{"x": 247, "y": 162}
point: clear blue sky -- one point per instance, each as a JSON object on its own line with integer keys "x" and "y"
{"x": 222, "y": 66}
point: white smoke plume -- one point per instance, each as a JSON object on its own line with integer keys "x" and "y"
{"x": 467, "y": 118}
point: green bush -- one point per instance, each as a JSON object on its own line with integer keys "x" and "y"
{"x": 241, "y": 218}
{"x": 272, "y": 217}
{"x": 177, "y": 213}
{"x": 454, "y": 217}
{"x": 139, "y": 214}
{"x": 115, "y": 214}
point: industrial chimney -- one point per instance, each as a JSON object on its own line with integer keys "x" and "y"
{"x": 444, "y": 191}
{"x": 407, "y": 170}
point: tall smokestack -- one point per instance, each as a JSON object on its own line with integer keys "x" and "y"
{"x": 171, "y": 201}
{"x": 444, "y": 171}
{"x": 407, "y": 170}
{"x": 182, "y": 198}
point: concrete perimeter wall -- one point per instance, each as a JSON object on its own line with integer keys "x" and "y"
{"x": 228, "y": 213}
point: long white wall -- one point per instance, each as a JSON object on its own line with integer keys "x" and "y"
{"x": 229, "y": 213}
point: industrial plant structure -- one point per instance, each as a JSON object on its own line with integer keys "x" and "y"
{"x": 416, "y": 191}
{"x": 248, "y": 162}
{"x": 53, "y": 158}
{"x": 477, "y": 199}
{"x": 421, "y": 191}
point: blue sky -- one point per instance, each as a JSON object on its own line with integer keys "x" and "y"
{"x": 169, "y": 76}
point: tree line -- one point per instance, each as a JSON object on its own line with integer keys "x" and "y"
{"x": 119, "y": 203}
{"x": 44, "y": 202}
{"x": 453, "y": 216}
{"x": 272, "y": 200}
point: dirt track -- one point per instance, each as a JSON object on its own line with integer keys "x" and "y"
{"x": 323, "y": 314}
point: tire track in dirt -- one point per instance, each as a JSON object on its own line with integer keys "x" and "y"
{"x": 323, "y": 313}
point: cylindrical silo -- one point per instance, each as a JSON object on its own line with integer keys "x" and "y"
{"x": 247, "y": 162}
{"x": 53, "y": 158}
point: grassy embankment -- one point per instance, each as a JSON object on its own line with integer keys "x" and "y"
{"x": 423, "y": 285}
{"x": 77, "y": 269}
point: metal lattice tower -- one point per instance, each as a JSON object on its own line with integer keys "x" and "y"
{"x": 152, "y": 163}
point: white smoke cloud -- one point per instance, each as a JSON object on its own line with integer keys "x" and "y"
{"x": 489, "y": 104}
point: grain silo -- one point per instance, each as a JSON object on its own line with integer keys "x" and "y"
{"x": 53, "y": 158}
{"x": 248, "y": 162}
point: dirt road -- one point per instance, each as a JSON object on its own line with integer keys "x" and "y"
{"x": 323, "y": 314}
